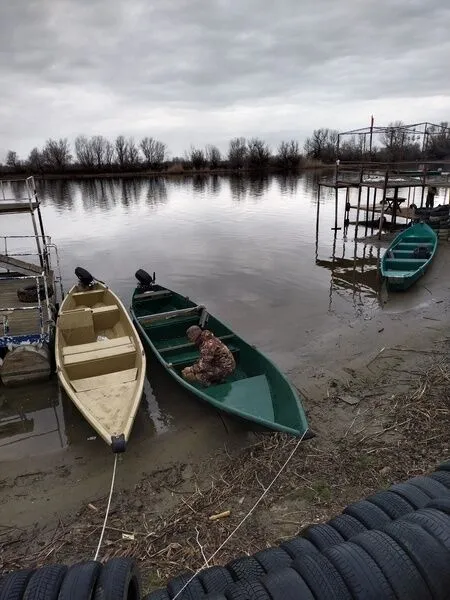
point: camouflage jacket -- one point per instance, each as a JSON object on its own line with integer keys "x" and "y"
{"x": 214, "y": 355}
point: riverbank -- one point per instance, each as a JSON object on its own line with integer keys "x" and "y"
{"x": 376, "y": 395}
{"x": 176, "y": 170}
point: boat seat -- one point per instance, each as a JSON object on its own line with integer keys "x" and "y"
{"x": 105, "y": 317}
{"x": 251, "y": 395}
{"x": 153, "y": 295}
{"x": 181, "y": 312}
{"x": 110, "y": 380}
{"x": 97, "y": 345}
{"x": 85, "y": 353}
{"x": 188, "y": 358}
{"x": 189, "y": 345}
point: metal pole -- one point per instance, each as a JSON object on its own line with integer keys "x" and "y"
{"x": 383, "y": 202}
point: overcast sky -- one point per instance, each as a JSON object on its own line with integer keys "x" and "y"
{"x": 203, "y": 71}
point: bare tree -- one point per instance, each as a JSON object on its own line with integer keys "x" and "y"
{"x": 154, "y": 152}
{"x": 133, "y": 158}
{"x": 322, "y": 145}
{"x": 109, "y": 153}
{"x": 98, "y": 145}
{"x": 438, "y": 141}
{"x": 197, "y": 158}
{"x": 12, "y": 159}
{"x": 35, "y": 160}
{"x": 289, "y": 154}
{"x": 56, "y": 154}
{"x": 213, "y": 156}
{"x": 399, "y": 142}
{"x": 237, "y": 152}
{"x": 84, "y": 151}
{"x": 258, "y": 153}
{"x": 121, "y": 146}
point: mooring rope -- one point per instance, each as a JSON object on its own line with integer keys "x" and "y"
{"x": 107, "y": 508}
{"x": 206, "y": 563}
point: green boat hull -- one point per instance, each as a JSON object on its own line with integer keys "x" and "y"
{"x": 257, "y": 391}
{"x": 409, "y": 256}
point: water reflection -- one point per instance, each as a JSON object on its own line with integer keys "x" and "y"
{"x": 248, "y": 247}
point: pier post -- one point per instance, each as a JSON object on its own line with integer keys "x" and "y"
{"x": 383, "y": 203}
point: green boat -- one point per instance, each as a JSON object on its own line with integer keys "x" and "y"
{"x": 409, "y": 255}
{"x": 257, "y": 391}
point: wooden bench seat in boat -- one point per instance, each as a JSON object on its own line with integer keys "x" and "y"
{"x": 153, "y": 295}
{"x": 98, "y": 350}
{"x": 251, "y": 395}
{"x": 87, "y": 384}
{"x": 171, "y": 314}
{"x": 185, "y": 359}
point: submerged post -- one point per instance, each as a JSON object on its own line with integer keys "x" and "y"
{"x": 383, "y": 202}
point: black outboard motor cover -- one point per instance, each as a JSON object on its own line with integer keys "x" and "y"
{"x": 146, "y": 281}
{"x": 84, "y": 277}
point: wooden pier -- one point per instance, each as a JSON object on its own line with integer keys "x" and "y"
{"x": 383, "y": 190}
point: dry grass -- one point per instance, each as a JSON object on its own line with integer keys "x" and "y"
{"x": 384, "y": 443}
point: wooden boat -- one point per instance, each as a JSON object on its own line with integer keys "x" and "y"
{"x": 409, "y": 255}
{"x": 100, "y": 359}
{"x": 257, "y": 391}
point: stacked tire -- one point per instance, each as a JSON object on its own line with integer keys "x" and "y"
{"x": 394, "y": 544}
{"x": 118, "y": 579}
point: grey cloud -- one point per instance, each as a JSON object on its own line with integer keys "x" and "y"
{"x": 72, "y": 66}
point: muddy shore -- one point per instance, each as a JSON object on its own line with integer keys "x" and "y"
{"x": 362, "y": 382}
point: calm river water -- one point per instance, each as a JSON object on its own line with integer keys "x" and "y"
{"x": 250, "y": 249}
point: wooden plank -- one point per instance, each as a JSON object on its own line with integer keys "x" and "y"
{"x": 152, "y": 295}
{"x": 222, "y": 338}
{"x": 97, "y": 355}
{"x": 182, "y": 312}
{"x": 112, "y": 379}
{"x": 21, "y": 265}
{"x": 98, "y": 345}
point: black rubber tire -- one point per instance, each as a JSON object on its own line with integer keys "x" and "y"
{"x": 160, "y": 594}
{"x": 393, "y": 505}
{"x": 193, "y": 591}
{"x": 243, "y": 590}
{"x": 360, "y": 572}
{"x": 119, "y": 580}
{"x": 430, "y": 557}
{"x": 322, "y": 578}
{"x": 298, "y": 546}
{"x": 215, "y": 579}
{"x": 273, "y": 559}
{"x": 444, "y": 466}
{"x": 347, "y": 526}
{"x": 322, "y": 536}
{"x": 13, "y": 585}
{"x": 429, "y": 486}
{"x": 80, "y": 581}
{"x": 443, "y": 477}
{"x": 45, "y": 583}
{"x": 411, "y": 493}
{"x": 435, "y": 522}
{"x": 286, "y": 584}
{"x": 396, "y": 565}
{"x": 368, "y": 514}
{"x": 442, "y": 504}
{"x": 245, "y": 568}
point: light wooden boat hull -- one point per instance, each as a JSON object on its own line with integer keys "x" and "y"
{"x": 100, "y": 361}
{"x": 402, "y": 265}
{"x": 257, "y": 392}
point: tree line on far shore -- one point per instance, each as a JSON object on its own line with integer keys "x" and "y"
{"x": 98, "y": 154}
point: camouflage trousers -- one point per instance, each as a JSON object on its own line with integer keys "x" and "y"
{"x": 206, "y": 378}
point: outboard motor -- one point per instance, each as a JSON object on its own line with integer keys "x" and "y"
{"x": 84, "y": 277}
{"x": 146, "y": 281}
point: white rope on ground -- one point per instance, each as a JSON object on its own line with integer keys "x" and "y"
{"x": 107, "y": 508}
{"x": 239, "y": 525}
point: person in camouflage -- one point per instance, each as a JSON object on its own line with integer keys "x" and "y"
{"x": 216, "y": 360}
